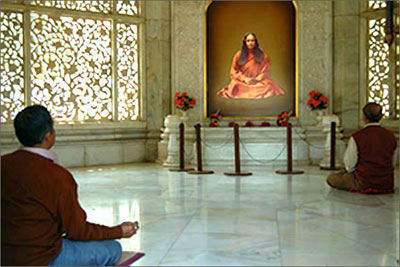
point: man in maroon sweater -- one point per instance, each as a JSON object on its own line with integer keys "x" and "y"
{"x": 368, "y": 157}
{"x": 42, "y": 222}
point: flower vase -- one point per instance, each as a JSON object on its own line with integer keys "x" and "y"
{"x": 184, "y": 117}
{"x": 320, "y": 113}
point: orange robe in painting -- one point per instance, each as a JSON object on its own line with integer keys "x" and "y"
{"x": 261, "y": 85}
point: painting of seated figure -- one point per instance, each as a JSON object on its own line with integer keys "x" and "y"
{"x": 250, "y": 73}
{"x": 251, "y": 60}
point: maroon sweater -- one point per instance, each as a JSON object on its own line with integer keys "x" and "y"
{"x": 375, "y": 146}
{"x": 39, "y": 203}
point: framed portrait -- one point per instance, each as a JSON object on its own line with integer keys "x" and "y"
{"x": 240, "y": 81}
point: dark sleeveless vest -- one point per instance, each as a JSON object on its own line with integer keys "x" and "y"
{"x": 375, "y": 146}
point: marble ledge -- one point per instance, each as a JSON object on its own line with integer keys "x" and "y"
{"x": 86, "y": 132}
{"x": 8, "y": 127}
{"x": 81, "y": 137}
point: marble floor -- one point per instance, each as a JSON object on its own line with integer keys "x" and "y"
{"x": 265, "y": 219}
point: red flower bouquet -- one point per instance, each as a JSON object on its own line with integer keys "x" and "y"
{"x": 183, "y": 101}
{"x": 317, "y": 101}
{"x": 249, "y": 124}
{"x": 215, "y": 119}
{"x": 232, "y": 124}
{"x": 283, "y": 119}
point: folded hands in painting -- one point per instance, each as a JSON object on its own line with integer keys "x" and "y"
{"x": 250, "y": 81}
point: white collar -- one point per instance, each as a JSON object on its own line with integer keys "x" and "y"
{"x": 42, "y": 152}
{"x": 372, "y": 124}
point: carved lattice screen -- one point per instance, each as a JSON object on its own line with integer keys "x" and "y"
{"x": 383, "y": 62}
{"x": 82, "y": 65}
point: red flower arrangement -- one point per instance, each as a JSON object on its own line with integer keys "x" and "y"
{"x": 249, "y": 124}
{"x": 283, "y": 119}
{"x": 215, "y": 118}
{"x": 183, "y": 101}
{"x": 232, "y": 124}
{"x": 265, "y": 124}
{"x": 317, "y": 101}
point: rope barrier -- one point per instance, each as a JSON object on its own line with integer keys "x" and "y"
{"x": 262, "y": 161}
{"x": 305, "y": 140}
{"x": 190, "y": 155}
{"x": 229, "y": 138}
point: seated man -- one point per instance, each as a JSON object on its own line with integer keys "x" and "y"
{"x": 368, "y": 158}
{"x": 42, "y": 222}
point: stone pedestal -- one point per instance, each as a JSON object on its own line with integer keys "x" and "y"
{"x": 172, "y": 125}
{"x": 340, "y": 145}
{"x": 319, "y": 117}
{"x": 162, "y": 146}
{"x": 184, "y": 117}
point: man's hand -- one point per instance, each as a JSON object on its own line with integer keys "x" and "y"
{"x": 129, "y": 228}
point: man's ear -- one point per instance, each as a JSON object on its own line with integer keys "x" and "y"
{"x": 365, "y": 119}
{"x": 47, "y": 135}
{"x": 47, "y": 138}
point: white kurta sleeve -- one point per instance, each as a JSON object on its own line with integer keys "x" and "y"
{"x": 351, "y": 155}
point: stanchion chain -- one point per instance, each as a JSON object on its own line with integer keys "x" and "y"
{"x": 229, "y": 138}
{"x": 262, "y": 161}
{"x": 305, "y": 140}
{"x": 189, "y": 156}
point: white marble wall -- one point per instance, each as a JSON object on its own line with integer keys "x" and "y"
{"x": 157, "y": 68}
{"x": 315, "y": 54}
{"x": 347, "y": 97}
{"x": 92, "y": 144}
{"x": 187, "y": 31}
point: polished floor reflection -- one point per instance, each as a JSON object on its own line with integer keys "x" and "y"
{"x": 265, "y": 219}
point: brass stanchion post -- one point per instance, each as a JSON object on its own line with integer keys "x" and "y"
{"x": 333, "y": 149}
{"x": 199, "y": 154}
{"x": 237, "y": 156}
{"x": 289, "y": 153}
{"x": 181, "y": 151}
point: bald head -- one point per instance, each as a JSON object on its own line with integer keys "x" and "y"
{"x": 373, "y": 112}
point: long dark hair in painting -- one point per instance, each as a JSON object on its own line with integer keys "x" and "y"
{"x": 258, "y": 53}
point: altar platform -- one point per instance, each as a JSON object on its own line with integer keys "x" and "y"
{"x": 259, "y": 146}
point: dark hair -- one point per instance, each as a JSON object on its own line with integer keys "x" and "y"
{"x": 258, "y": 53}
{"x": 373, "y": 112}
{"x": 32, "y": 124}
